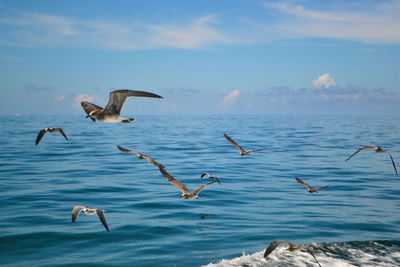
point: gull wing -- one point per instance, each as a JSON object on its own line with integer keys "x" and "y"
{"x": 149, "y": 159}
{"x": 118, "y": 98}
{"x": 394, "y": 165}
{"x": 211, "y": 176}
{"x": 274, "y": 244}
{"x": 62, "y": 132}
{"x": 359, "y": 150}
{"x": 76, "y": 211}
{"x": 172, "y": 180}
{"x": 255, "y": 150}
{"x": 321, "y": 187}
{"x": 89, "y": 107}
{"x": 302, "y": 183}
{"x": 40, "y": 136}
{"x": 100, "y": 213}
{"x": 198, "y": 189}
{"x": 233, "y": 142}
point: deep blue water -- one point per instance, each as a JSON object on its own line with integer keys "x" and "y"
{"x": 231, "y": 224}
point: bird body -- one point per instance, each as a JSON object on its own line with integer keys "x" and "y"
{"x": 51, "y": 130}
{"x": 89, "y": 211}
{"x": 111, "y": 113}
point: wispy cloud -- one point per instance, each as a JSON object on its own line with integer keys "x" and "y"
{"x": 325, "y": 80}
{"x": 59, "y": 98}
{"x": 375, "y": 22}
{"x": 231, "y": 97}
{"x": 85, "y": 97}
{"x": 37, "y": 88}
{"x": 38, "y": 29}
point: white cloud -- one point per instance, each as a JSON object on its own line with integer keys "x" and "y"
{"x": 325, "y": 81}
{"x": 85, "y": 97}
{"x": 377, "y": 22}
{"x": 59, "y": 98}
{"x": 231, "y": 97}
{"x": 21, "y": 28}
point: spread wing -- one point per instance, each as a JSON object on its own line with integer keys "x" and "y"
{"x": 201, "y": 187}
{"x": 76, "y": 211}
{"x": 211, "y": 176}
{"x": 40, "y": 136}
{"x": 321, "y": 187}
{"x": 118, "y": 98}
{"x": 255, "y": 150}
{"x": 89, "y": 107}
{"x": 359, "y": 150}
{"x": 149, "y": 159}
{"x": 233, "y": 142}
{"x": 100, "y": 213}
{"x": 394, "y": 165}
{"x": 172, "y": 180}
{"x": 274, "y": 244}
{"x": 302, "y": 183}
{"x": 62, "y": 132}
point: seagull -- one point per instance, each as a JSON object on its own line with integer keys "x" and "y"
{"x": 377, "y": 149}
{"x": 242, "y": 151}
{"x": 310, "y": 189}
{"x": 89, "y": 211}
{"x": 52, "y": 129}
{"x": 291, "y": 247}
{"x": 211, "y": 176}
{"x": 111, "y": 113}
{"x": 186, "y": 194}
{"x": 142, "y": 156}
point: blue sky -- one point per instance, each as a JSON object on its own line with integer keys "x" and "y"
{"x": 203, "y": 57}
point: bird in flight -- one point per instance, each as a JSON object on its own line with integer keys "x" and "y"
{"x": 111, "y": 113}
{"x": 242, "y": 152}
{"x": 211, "y": 177}
{"x": 291, "y": 247}
{"x": 377, "y": 149}
{"x": 89, "y": 211}
{"x": 186, "y": 194}
{"x": 310, "y": 189}
{"x": 52, "y": 129}
{"x": 142, "y": 156}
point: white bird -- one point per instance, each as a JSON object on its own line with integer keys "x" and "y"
{"x": 111, "y": 113}
{"x": 89, "y": 211}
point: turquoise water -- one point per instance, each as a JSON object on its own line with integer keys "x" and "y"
{"x": 355, "y": 221}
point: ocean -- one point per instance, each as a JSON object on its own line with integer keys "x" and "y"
{"x": 353, "y": 222}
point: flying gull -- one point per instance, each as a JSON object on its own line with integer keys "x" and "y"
{"x": 242, "y": 151}
{"x": 111, "y": 113}
{"x": 211, "y": 177}
{"x": 142, "y": 156}
{"x": 377, "y": 149}
{"x": 291, "y": 247}
{"x": 89, "y": 211}
{"x": 310, "y": 189}
{"x": 186, "y": 194}
{"x": 52, "y": 129}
